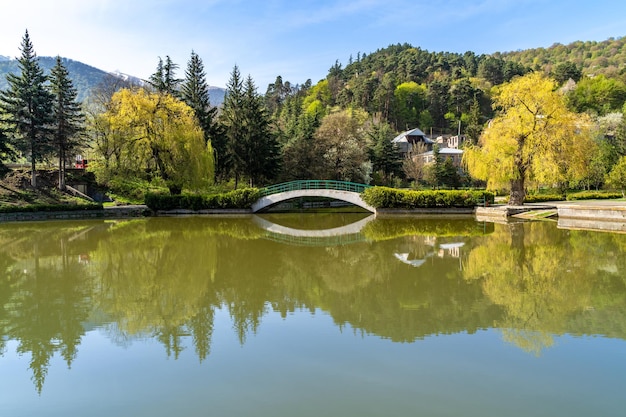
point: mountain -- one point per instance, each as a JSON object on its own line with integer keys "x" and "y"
{"x": 85, "y": 77}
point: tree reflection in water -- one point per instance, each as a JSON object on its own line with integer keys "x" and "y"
{"x": 165, "y": 278}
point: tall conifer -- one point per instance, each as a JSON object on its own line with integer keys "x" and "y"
{"x": 195, "y": 92}
{"x": 27, "y": 104}
{"x": 68, "y": 116}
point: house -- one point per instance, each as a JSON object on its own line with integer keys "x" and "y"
{"x": 454, "y": 142}
{"x": 455, "y": 154}
{"x": 406, "y": 141}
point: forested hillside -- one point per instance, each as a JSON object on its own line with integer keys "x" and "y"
{"x": 411, "y": 87}
{"x": 84, "y": 77}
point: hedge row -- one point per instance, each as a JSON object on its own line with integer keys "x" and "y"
{"x": 50, "y": 208}
{"x": 237, "y": 199}
{"x": 385, "y": 197}
{"x": 593, "y": 195}
{"x": 541, "y": 198}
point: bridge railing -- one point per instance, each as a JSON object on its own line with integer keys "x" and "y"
{"x": 313, "y": 185}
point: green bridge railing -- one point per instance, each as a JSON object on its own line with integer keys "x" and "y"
{"x": 313, "y": 185}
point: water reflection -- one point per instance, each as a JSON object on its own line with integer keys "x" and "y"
{"x": 165, "y": 278}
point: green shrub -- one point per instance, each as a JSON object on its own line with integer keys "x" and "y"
{"x": 540, "y": 198}
{"x": 385, "y": 197}
{"x": 593, "y": 195}
{"x": 50, "y": 208}
{"x": 236, "y": 199}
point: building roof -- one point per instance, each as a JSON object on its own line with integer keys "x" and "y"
{"x": 411, "y": 136}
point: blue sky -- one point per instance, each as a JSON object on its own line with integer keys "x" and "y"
{"x": 297, "y": 39}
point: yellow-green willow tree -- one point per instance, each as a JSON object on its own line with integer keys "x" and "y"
{"x": 534, "y": 137}
{"x": 158, "y": 136}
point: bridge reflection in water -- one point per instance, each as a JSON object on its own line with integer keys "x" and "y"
{"x": 343, "y": 235}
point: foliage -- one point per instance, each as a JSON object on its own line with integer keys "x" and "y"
{"x": 617, "y": 176}
{"x": 384, "y": 153}
{"x": 69, "y": 120}
{"x": 534, "y": 137}
{"x": 164, "y": 80}
{"x": 341, "y": 141}
{"x": 384, "y": 197}
{"x": 593, "y": 195}
{"x": 242, "y": 198}
{"x": 598, "y": 95}
{"x": 156, "y": 136}
{"x": 50, "y": 207}
{"x": 27, "y": 108}
{"x": 195, "y": 92}
{"x": 540, "y": 198}
{"x": 252, "y": 150}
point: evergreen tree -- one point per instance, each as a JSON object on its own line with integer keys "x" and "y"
{"x": 6, "y": 151}
{"x": 229, "y": 152}
{"x": 68, "y": 116}
{"x": 474, "y": 126}
{"x": 27, "y": 104}
{"x": 164, "y": 79}
{"x": 195, "y": 92}
{"x": 384, "y": 154}
{"x": 260, "y": 146}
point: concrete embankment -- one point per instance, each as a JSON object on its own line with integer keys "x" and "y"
{"x": 108, "y": 212}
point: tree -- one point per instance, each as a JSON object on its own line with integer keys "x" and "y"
{"x": 413, "y": 164}
{"x": 27, "y": 105}
{"x": 341, "y": 140}
{"x": 232, "y": 121}
{"x": 617, "y": 176}
{"x": 384, "y": 153}
{"x": 599, "y": 95}
{"x": 195, "y": 92}
{"x": 6, "y": 151}
{"x": 259, "y": 147}
{"x": 251, "y": 146}
{"x": 564, "y": 71}
{"x": 164, "y": 79}
{"x": 160, "y": 138}
{"x": 69, "y": 119}
{"x": 409, "y": 101}
{"x": 533, "y": 137}
{"x": 474, "y": 124}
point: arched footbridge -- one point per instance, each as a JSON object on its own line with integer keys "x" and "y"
{"x": 337, "y": 190}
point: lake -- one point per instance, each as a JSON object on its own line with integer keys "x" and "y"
{"x": 311, "y": 315}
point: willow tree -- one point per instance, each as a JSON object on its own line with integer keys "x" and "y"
{"x": 534, "y": 137}
{"x": 160, "y": 136}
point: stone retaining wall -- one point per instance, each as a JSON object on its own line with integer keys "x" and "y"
{"x": 109, "y": 212}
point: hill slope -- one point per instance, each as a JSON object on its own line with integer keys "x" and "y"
{"x": 84, "y": 77}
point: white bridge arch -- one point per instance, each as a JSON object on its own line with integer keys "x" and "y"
{"x": 337, "y": 190}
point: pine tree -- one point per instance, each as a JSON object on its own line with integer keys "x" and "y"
{"x": 6, "y": 151}
{"x": 229, "y": 152}
{"x": 68, "y": 116}
{"x": 27, "y": 104}
{"x": 384, "y": 153}
{"x": 164, "y": 79}
{"x": 260, "y": 146}
{"x": 195, "y": 92}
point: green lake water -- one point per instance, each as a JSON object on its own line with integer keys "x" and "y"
{"x": 311, "y": 315}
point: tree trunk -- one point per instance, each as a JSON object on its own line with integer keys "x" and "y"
{"x": 518, "y": 189}
{"x": 518, "y": 193}
{"x": 33, "y": 174}
{"x": 62, "y": 170}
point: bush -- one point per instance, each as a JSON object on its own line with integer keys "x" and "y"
{"x": 593, "y": 195}
{"x": 50, "y": 208}
{"x": 237, "y": 199}
{"x": 540, "y": 198}
{"x": 385, "y": 197}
